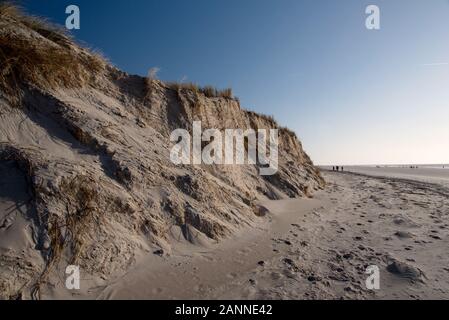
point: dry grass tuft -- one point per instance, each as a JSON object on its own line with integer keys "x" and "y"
{"x": 208, "y": 91}
{"x": 270, "y": 119}
{"x": 53, "y": 32}
{"x": 212, "y": 92}
{"x": 80, "y": 210}
{"x": 7, "y": 8}
{"x": 150, "y": 80}
{"x": 72, "y": 230}
{"x": 177, "y": 86}
{"x": 44, "y": 64}
{"x": 152, "y": 73}
{"x": 288, "y": 131}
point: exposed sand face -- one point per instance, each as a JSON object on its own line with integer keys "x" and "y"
{"x": 96, "y": 162}
{"x": 17, "y": 233}
{"x": 313, "y": 249}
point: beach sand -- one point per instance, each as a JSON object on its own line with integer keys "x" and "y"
{"x": 311, "y": 249}
{"x": 428, "y": 174}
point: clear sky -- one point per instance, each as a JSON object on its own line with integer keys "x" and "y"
{"x": 354, "y": 96}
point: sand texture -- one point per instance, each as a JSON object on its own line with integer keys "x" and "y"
{"x": 315, "y": 249}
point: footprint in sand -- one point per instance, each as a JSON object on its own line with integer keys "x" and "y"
{"x": 405, "y": 270}
{"x": 291, "y": 265}
{"x": 405, "y": 222}
{"x": 304, "y": 243}
{"x": 347, "y": 256}
{"x": 404, "y": 234}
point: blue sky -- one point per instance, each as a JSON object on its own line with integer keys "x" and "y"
{"x": 354, "y": 96}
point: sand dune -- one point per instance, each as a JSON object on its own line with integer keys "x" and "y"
{"x": 93, "y": 183}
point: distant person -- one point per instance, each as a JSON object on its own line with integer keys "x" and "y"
{"x": 342, "y": 169}
{"x": 338, "y": 168}
{"x": 333, "y": 168}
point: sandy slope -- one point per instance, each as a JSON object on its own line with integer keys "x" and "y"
{"x": 313, "y": 249}
{"x": 94, "y": 156}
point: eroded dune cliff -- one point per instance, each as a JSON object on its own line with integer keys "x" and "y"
{"x": 86, "y": 148}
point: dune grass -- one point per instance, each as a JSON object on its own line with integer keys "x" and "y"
{"x": 212, "y": 92}
{"x": 40, "y": 25}
{"x": 208, "y": 91}
{"x": 50, "y": 63}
